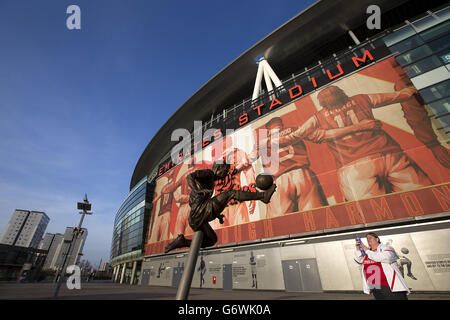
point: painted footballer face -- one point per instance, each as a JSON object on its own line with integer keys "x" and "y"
{"x": 332, "y": 97}
{"x": 275, "y": 124}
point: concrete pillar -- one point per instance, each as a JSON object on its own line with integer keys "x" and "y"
{"x": 133, "y": 272}
{"x": 353, "y": 36}
{"x": 117, "y": 272}
{"x": 124, "y": 267}
{"x": 113, "y": 274}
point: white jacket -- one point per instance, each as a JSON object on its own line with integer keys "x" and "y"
{"x": 388, "y": 258}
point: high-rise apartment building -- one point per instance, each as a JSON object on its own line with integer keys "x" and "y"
{"x": 47, "y": 241}
{"x": 52, "y": 243}
{"x": 104, "y": 266}
{"x": 25, "y": 228}
{"x": 76, "y": 249}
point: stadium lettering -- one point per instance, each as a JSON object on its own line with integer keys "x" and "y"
{"x": 275, "y": 102}
{"x": 341, "y": 72}
{"x": 225, "y": 237}
{"x": 443, "y": 197}
{"x": 331, "y": 219}
{"x": 297, "y": 90}
{"x": 268, "y": 229}
{"x": 308, "y": 218}
{"x": 382, "y": 210}
{"x": 412, "y": 204}
{"x": 259, "y": 109}
{"x": 284, "y": 96}
{"x": 238, "y": 233}
{"x": 356, "y": 60}
{"x": 298, "y": 94}
{"x": 252, "y": 231}
{"x": 243, "y": 119}
{"x": 354, "y": 213}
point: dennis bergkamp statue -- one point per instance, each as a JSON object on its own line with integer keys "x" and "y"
{"x": 205, "y": 208}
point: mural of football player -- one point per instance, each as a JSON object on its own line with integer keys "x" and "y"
{"x": 240, "y": 170}
{"x": 161, "y": 268}
{"x": 253, "y": 269}
{"x": 181, "y": 197}
{"x": 298, "y": 187}
{"x": 403, "y": 260}
{"x": 369, "y": 161}
{"x": 160, "y": 230}
{"x": 417, "y": 118}
{"x": 202, "y": 270}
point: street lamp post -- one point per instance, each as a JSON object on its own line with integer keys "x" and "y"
{"x": 85, "y": 206}
{"x": 188, "y": 272}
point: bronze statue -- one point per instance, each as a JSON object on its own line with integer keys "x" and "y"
{"x": 205, "y": 208}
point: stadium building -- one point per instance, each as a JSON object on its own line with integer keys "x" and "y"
{"x": 362, "y": 111}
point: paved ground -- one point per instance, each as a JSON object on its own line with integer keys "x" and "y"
{"x": 113, "y": 291}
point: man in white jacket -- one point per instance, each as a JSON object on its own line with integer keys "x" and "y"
{"x": 380, "y": 273}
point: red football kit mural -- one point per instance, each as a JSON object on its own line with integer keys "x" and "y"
{"x": 358, "y": 151}
{"x": 160, "y": 220}
{"x": 298, "y": 188}
{"x": 369, "y": 161}
{"x": 240, "y": 177}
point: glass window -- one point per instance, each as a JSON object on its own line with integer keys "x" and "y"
{"x": 436, "y": 31}
{"x": 441, "y": 107}
{"x": 444, "y": 121}
{"x": 425, "y": 23}
{"x": 413, "y": 55}
{"x": 399, "y": 35}
{"x": 407, "y": 44}
{"x": 378, "y": 42}
{"x": 422, "y": 66}
{"x": 443, "y": 14}
{"x": 440, "y": 44}
{"x": 444, "y": 56}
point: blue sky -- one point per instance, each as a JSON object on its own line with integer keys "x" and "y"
{"x": 78, "y": 107}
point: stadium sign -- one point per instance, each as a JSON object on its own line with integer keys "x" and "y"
{"x": 282, "y": 97}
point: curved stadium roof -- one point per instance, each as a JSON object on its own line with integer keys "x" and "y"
{"x": 315, "y": 33}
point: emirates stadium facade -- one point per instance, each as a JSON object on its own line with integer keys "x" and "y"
{"x": 362, "y": 114}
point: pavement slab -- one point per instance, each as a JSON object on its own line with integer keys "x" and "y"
{"x": 113, "y": 291}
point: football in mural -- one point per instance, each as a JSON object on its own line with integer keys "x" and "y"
{"x": 264, "y": 181}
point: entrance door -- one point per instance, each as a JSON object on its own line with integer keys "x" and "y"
{"x": 145, "y": 277}
{"x": 227, "y": 277}
{"x": 310, "y": 275}
{"x": 301, "y": 275}
{"x": 291, "y": 274}
{"x": 177, "y": 274}
{"x": 137, "y": 273}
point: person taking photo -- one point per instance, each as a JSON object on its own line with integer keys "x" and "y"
{"x": 380, "y": 273}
